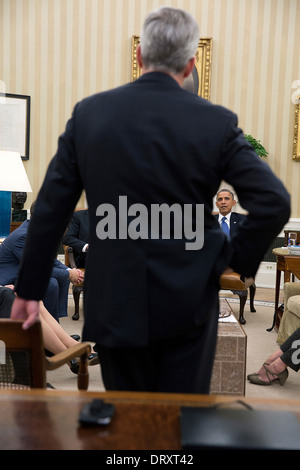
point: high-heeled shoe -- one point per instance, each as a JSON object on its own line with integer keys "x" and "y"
{"x": 281, "y": 378}
{"x": 256, "y": 373}
{"x": 93, "y": 359}
{"x": 74, "y": 365}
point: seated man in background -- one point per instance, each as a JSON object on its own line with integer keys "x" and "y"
{"x": 228, "y": 220}
{"x": 56, "y": 298}
{"x": 7, "y": 297}
{"x": 77, "y": 235}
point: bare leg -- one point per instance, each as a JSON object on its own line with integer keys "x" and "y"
{"x": 274, "y": 356}
{"x": 56, "y": 328}
{"x": 50, "y": 339}
{"x": 56, "y": 339}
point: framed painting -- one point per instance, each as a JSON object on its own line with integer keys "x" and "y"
{"x": 15, "y": 123}
{"x": 199, "y": 80}
{"x": 296, "y": 140}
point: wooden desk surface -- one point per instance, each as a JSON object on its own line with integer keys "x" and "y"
{"x": 48, "y": 419}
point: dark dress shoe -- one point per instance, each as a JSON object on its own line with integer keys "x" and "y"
{"x": 50, "y": 386}
{"x": 76, "y": 337}
{"x": 74, "y": 366}
{"x": 48, "y": 353}
{"x": 93, "y": 359}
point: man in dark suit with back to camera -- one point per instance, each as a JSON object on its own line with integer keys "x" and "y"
{"x": 227, "y": 219}
{"x": 143, "y": 152}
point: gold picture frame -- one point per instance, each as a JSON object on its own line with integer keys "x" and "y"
{"x": 200, "y": 79}
{"x": 296, "y": 140}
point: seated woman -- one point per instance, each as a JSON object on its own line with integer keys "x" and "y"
{"x": 275, "y": 368}
{"x": 54, "y": 336}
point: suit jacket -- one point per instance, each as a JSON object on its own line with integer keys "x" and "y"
{"x": 77, "y": 236}
{"x": 7, "y": 297}
{"x": 11, "y": 251}
{"x": 154, "y": 143}
{"x": 235, "y": 220}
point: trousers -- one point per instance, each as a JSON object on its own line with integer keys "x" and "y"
{"x": 171, "y": 365}
{"x": 7, "y": 296}
{"x": 56, "y": 298}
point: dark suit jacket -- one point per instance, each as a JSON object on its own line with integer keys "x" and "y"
{"x": 11, "y": 251}
{"x": 235, "y": 220}
{"x": 7, "y": 297}
{"x": 77, "y": 236}
{"x": 154, "y": 143}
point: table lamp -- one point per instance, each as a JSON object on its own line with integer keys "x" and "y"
{"x": 13, "y": 177}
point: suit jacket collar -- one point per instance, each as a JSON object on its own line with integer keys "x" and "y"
{"x": 158, "y": 77}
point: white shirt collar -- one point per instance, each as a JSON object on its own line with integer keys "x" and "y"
{"x": 227, "y": 217}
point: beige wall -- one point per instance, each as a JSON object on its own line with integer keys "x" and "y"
{"x": 59, "y": 51}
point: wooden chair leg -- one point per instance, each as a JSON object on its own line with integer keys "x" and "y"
{"x": 243, "y": 298}
{"x": 243, "y": 294}
{"x": 76, "y": 295}
{"x": 83, "y": 375}
{"x": 252, "y": 290}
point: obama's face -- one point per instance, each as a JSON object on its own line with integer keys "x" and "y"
{"x": 225, "y": 202}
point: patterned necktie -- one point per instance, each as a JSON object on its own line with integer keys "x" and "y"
{"x": 225, "y": 227}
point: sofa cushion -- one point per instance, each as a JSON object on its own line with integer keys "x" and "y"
{"x": 293, "y": 305}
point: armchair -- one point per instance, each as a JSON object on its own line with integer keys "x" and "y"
{"x": 290, "y": 320}
{"x": 23, "y": 363}
{"x": 238, "y": 285}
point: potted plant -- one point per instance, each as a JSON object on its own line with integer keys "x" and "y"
{"x": 258, "y": 147}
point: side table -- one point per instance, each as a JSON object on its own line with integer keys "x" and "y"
{"x": 290, "y": 266}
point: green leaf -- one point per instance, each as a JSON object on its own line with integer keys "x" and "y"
{"x": 258, "y": 147}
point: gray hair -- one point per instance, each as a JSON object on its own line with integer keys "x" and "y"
{"x": 169, "y": 39}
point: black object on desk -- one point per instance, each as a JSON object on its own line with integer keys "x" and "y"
{"x": 97, "y": 413}
{"x": 215, "y": 428}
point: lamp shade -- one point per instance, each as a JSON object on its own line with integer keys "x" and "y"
{"x": 13, "y": 176}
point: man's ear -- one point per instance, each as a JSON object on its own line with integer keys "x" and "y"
{"x": 189, "y": 67}
{"x": 139, "y": 56}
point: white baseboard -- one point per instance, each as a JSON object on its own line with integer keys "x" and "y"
{"x": 266, "y": 275}
{"x": 61, "y": 258}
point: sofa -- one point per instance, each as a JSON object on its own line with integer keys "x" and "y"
{"x": 291, "y": 314}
